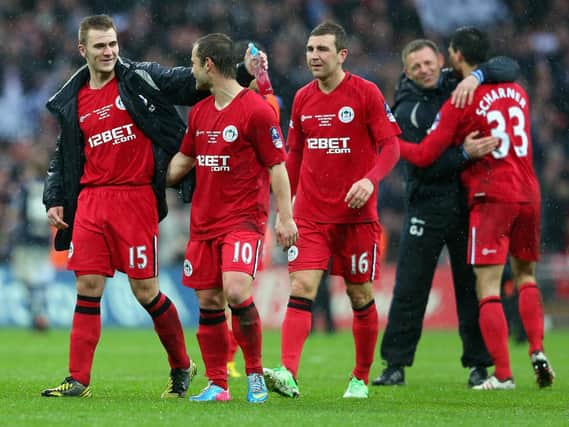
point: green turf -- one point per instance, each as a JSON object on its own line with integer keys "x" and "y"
{"x": 130, "y": 372}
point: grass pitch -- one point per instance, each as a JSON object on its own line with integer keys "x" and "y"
{"x": 130, "y": 372}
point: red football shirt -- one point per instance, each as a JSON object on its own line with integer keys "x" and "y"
{"x": 338, "y": 139}
{"x": 501, "y": 110}
{"x": 233, "y": 148}
{"x": 116, "y": 150}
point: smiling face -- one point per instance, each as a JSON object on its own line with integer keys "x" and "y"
{"x": 423, "y": 66}
{"x": 100, "y": 50}
{"x": 322, "y": 58}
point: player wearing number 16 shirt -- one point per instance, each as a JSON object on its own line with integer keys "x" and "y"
{"x": 504, "y": 203}
{"x": 342, "y": 142}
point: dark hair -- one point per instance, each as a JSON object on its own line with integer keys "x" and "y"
{"x": 219, "y": 48}
{"x": 95, "y": 22}
{"x": 416, "y": 45}
{"x": 472, "y": 43}
{"x": 329, "y": 27}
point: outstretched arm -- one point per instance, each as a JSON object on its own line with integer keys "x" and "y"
{"x": 179, "y": 166}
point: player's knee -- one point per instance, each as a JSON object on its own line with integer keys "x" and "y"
{"x": 360, "y": 295}
{"x": 303, "y": 288}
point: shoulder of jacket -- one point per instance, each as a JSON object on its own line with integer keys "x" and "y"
{"x": 138, "y": 68}
{"x": 69, "y": 89}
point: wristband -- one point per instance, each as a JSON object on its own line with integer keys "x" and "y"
{"x": 464, "y": 153}
{"x": 478, "y": 74}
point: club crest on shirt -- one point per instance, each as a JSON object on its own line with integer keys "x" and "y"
{"x": 346, "y": 114}
{"x": 230, "y": 133}
{"x": 388, "y": 113}
{"x": 119, "y": 104}
{"x": 188, "y": 269}
{"x": 276, "y": 137}
{"x": 292, "y": 253}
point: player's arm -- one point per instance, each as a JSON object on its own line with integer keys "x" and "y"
{"x": 53, "y": 189}
{"x": 438, "y": 140}
{"x": 499, "y": 69}
{"x": 178, "y": 83}
{"x": 285, "y": 226}
{"x": 179, "y": 166}
{"x": 361, "y": 190}
{"x": 295, "y": 144}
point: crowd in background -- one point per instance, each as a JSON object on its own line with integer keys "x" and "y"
{"x": 39, "y": 52}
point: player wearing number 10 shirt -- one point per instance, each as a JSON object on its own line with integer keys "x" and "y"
{"x": 504, "y": 203}
{"x": 342, "y": 142}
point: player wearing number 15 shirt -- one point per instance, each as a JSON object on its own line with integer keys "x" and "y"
{"x": 504, "y": 203}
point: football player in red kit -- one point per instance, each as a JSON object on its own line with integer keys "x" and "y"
{"x": 342, "y": 141}
{"x": 504, "y": 202}
{"x": 235, "y": 144}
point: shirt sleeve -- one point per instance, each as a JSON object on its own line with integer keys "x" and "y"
{"x": 188, "y": 147}
{"x": 295, "y": 144}
{"x": 386, "y": 159}
{"x": 441, "y": 137}
{"x": 264, "y": 133}
{"x": 379, "y": 118}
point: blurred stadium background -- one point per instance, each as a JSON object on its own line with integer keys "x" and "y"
{"x": 39, "y": 51}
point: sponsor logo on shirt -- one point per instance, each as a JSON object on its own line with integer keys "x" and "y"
{"x": 188, "y": 269}
{"x": 346, "y": 114}
{"x": 486, "y": 251}
{"x": 331, "y": 145}
{"x": 388, "y": 113}
{"x": 115, "y": 136}
{"x": 276, "y": 137}
{"x": 303, "y": 117}
{"x": 119, "y": 104}
{"x": 216, "y": 163}
{"x": 230, "y": 133}
{"x": 83, "y": 117}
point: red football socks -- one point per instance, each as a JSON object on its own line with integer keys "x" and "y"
{"x": 494, "y": 330}
{"x": 213, "y": 340}
{"x": 295, "y": 329}
{"x": 246, "y": 325}
{"x": 365, "y": 328}
{"x": 531, "y": 313}
{"x": 169, "y": 329}
{"x": 85, "y": 334}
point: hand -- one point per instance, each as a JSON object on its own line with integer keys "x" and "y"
{"x": 55, "y": 217}
{"x": 479, "y": 147}
{"x": 286, "y": 232}
{"x": 252, "y": 62}
{"x": 464, "y": 92}
{"x": 359, "y": 193}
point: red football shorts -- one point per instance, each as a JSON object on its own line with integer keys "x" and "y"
{"x": 497, "y": 228}
{"x": 206, "y": 260}
{"x": 353, "y": 249}
{"x": 115, "y": 228}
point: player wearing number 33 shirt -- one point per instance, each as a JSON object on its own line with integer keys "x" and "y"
{"x": 504, "y": 202}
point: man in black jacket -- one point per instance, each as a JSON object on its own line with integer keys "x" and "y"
{"x": 436, "y": 213}
{"x": 105, "y": 191}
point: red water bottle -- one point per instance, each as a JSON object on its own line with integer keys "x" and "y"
{"x": 260, "y": 73}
